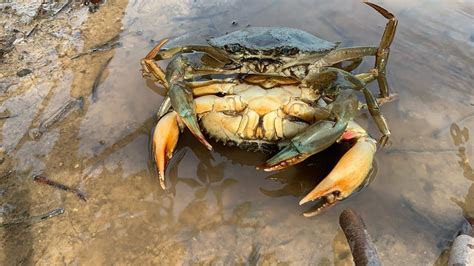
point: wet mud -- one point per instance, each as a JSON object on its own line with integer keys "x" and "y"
{"x": 74, "y": 108}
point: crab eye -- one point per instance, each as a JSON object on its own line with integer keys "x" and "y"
{"x": 285, "y": 50}
{"x": 232, "y": 48}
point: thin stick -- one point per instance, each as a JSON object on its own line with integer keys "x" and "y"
{"x": 5, "y": 114}
{"x": 34, "y": 219}
{"x": 107, "y": 45}
{"x": 44, "y": 180}
{"x": 62, "y": 8}
{"x": 98, "y": 79}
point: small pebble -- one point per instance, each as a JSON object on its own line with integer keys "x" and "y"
{"x": 60, "y": 164}
{"x": 6, "y": 209}
{"x": 76, "y": 166}
{"x": 23, "y": 72}
{"x": 462, "y": 251}
{"x": 234, "y": 23}
{"x": 102, "y": 142}
{"x": 34, "y": 134}
{"x": 5, "y": 114}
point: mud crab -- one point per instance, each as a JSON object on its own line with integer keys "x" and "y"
{"x": 265, "y": 89}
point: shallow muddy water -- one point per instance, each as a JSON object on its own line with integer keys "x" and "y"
{"x": 219, "y": 208}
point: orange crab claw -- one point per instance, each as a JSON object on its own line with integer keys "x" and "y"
{"x": 349, "y": 173}
{"x": 165, "y": 138}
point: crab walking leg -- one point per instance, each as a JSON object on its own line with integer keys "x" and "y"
{"x": 372, "y": 104}
{"x": 336, "y": 57}
{"x": 209, "y": 50}
{"x": 381, "y": 53}
{"x": 332, "y": 58}
{"x": 209, "y": 87}
{"x": 353, "y": 53}
{"x": 349, "y": 174}
{"x": 353, "y": 65}
{"x": 198, "y": 71}
{"x": 151, "y": 69}
{"x": 316, "y": 137}
{"x": 165, "y": 138}
{"x": 344, "y": 54}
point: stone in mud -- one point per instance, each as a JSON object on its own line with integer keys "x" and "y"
{"x": 462, "y": 252}
{"x": 23, "y": 72}
{"x": 27, "y": 10}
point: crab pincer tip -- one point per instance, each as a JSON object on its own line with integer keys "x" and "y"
{"x": 268, "y": 168}
{"x": 208, "y": 146}
{"x": 162, "y": 180}
{"x": 304, "y": 200}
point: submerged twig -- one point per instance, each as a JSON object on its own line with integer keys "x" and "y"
{"x": 62, "y": 8}
{"x": 107, "y": 45}
{"x": 254, "y": 256}
{"x": 44, "y": 180}
{"x": 45, "y": 216}
{"x": 32, "y": 30}
{"x": 59, "y": 114}
{"x": 363, "y": 250}
{"x": 98, "y": 79}
{"x": 56, "y": 117}
{"x": 5, "y": 114}
{"x": 34, "y": 219}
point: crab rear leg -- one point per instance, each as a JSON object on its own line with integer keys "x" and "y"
{"x": 350, "y": 54}
{"x": 384, "y": 48}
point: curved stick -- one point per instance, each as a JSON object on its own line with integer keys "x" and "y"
{"x": 362, "y": 248}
